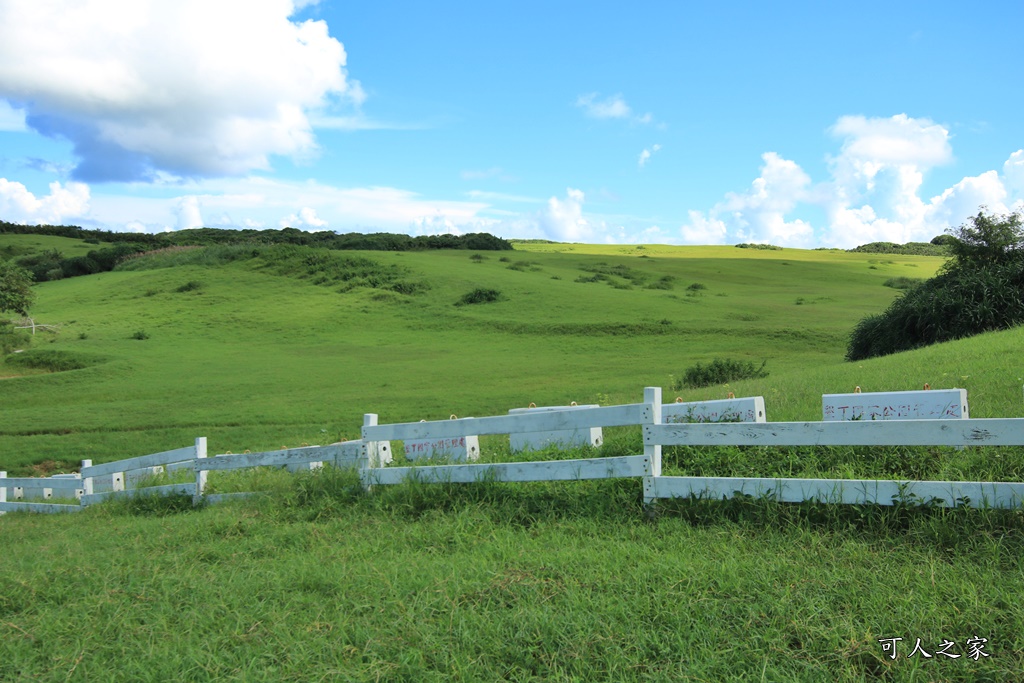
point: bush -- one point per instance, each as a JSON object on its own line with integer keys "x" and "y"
{"x": 479, "y": 296}
{"x": 902, "y": 282}
{"x": 956, "y": 304}
{"x": 190, "y": 286}
{"x": 766, "y": 247}
{"x": 11, "y": 339}
{"x": 141, "y": 335}
{"x": 980, "y": 289}
{"x": 720, "y": 371}
{"x": 52, "y": 360}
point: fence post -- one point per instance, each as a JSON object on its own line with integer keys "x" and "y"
{"x": 3, "y": 491}
{"x": 652, "y": 397}
{"x": 201, "y": 474}
{"x": 86, "y": 481}
{"x": 370, "y": 457}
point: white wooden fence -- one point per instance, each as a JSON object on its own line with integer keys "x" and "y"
{"x": 688, "y": 426}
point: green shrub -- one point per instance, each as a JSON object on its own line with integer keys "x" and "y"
{"x": 902, "y": 282}
{"x": 720, "y": 371}
{"x": 766, "y": 247}
{"x": 190, "y": 286}
{"x": 958, "y": 303}
{"x": 479, "y": 296}
{"x": 11, "y": 339}
{"x": 696, "y": 287}
{"x": 141, "y": 335}
{"x": 52, "y": 360}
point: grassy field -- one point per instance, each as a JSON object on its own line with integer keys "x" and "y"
{"x": 489, "y": 582}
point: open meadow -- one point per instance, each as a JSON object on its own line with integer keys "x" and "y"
{"x": 262, "y": 347}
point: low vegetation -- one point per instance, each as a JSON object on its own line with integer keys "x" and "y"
{"x": 720, "y": 371}
{"x": 479, "y": 295}
{"x": 980, "y": 289}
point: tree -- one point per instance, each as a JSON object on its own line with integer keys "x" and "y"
{"x": 987, "y": 239}
{"x": 15, "y": 288}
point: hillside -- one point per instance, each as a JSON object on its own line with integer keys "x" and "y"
{"x": 259, "y": 352}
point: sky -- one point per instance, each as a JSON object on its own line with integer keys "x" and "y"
{"x": 802, "y": 124}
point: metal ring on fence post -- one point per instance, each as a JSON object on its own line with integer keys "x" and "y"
{"x": 679, "y": 399}
{"x": 572, "y": 404}
{"x": 532, "y": 405}
{"x": 856, "y": 389}
{"x": 453, "y": 416}
{"x": 927, "y": 387}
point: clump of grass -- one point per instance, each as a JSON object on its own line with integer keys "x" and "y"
{"x": 480, "y": 295}
{"x": 696, "y": 287}
{"x": 190, "y": 286}
{"x": 665, "y": 282}
{"x": 53, "y": 360}
{"x": 720, "y": 371}
{"x": 140, "y": 335}
{"x": 903, "y": 282}
{"x": 478, "y": 258}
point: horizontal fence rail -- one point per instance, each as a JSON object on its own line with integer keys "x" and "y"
{"x": 973, "y": 432}
{"x": 846, "y": 491}
{"x": 545, "y": 421}
{"x": 547, "y": 470}
{"x": 340, "y": 455}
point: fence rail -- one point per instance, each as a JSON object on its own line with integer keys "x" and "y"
{"x": 684, "y": 424}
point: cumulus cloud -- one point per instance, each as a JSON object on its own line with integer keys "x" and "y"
{"x": 188, "y": 214}
{"x": 759, "y": 214}
{"x": 190, "y": 87}
{"x": 612, "y": 107}
{"x": 65, "y": 202}
{"x": 873, "y": 192}
{"x": 562, "y": 219}
{"x": 305, "y": 219}
{"x": 645, "y": 155}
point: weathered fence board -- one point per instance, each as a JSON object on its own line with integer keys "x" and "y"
{"x": 141, "y": 462}
{"x": 39, "y": 507}
{"x": 748, "y": 409}
{"x": 933, "y": 404}
{"x": 529, "y": 440}
{"x": 550, "y": 470}
{"x": 846, "y": 491}
{"x": 973, "y": 432}
{"x": 455, "y": 448}
{"x": 547, "y": 421}
{"x": 168, "y": 490}
{"x": 346, "y": 454}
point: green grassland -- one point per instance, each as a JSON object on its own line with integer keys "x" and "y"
{"x": 263, "y": 352}
{"x": 267, "y": 347}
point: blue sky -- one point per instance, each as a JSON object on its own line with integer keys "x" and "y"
{"x": 796, "y": 123}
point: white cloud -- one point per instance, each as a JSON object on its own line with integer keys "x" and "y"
{"x": 873, "y": 193}
{"x": 187, "y": 211}
{"x": 612, "y": 107}
{"x": 305, "y": 219}
{"x": 645, "y": 155}
{"x": 562, "y": 219}
{"x": 191, "y": 87}
{"x": 65, "y": 202}
{"x": 11, "y": 119}
{"x": 759, "y": 214}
